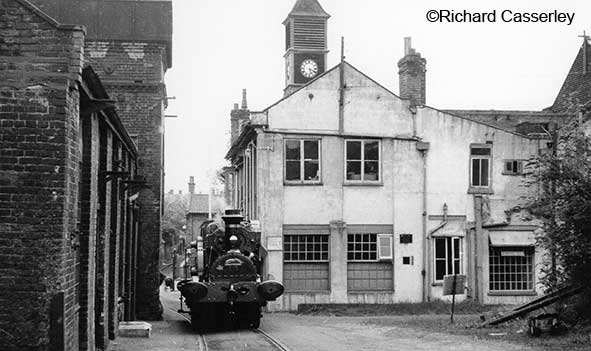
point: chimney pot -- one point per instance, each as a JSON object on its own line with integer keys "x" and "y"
{"x": 191, "y": 185}
{"x": 244, "y": 105}
{"x": 407, "y": 45}
{"x": 238, "y": 116}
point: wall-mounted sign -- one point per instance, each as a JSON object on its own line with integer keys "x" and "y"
{"x": 274, "y": 243}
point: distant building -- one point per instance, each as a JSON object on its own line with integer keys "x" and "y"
{"x": 365, "y": 196}
{"x": 201, "y": 208}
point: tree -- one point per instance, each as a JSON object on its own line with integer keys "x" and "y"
{"x": 176, "y": 207}
{"x": 564, "y": 205}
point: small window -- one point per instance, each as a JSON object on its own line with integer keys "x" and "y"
{"x": 480, "y": 166}
{"x": 448, "y": 257}
{"x": 513, "y": 167}
{"x": 302, "y": 161}
{"x": 362, "y": 160}
{"x": 407, "y": 260}
{"x": 385, "y": 247}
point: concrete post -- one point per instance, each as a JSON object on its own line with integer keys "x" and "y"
{"x": 338, "y": 261}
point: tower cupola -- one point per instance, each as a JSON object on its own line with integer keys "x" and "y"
{"x": 305, "y": 44}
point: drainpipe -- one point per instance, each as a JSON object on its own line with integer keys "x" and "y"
{"x": 478, "y": 249}
{"x": 342, "y": 88}
{"x": 423, "y": 147}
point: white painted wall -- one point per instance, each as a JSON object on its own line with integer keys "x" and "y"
{"x": 370, "y": 110}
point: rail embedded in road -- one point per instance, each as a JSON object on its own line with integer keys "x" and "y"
{"x": 242, "y": 339}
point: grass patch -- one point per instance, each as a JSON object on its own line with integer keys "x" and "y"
{"x": 574, "y": 338}
{"x": 396, "y": 309}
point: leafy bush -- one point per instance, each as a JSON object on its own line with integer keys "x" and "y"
{"x": 564, "y": 204}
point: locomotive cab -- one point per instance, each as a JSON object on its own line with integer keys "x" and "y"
{"x": 225, "y": 287}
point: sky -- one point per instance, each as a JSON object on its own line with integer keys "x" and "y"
{"x": 223, "y": 46}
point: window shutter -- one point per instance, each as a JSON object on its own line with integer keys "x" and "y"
{"x": 385, "y": 247}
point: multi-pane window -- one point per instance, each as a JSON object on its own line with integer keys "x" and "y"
{"x": 305, "y": 262}
{"x": 448, "y": 256}
{"x": 301, "y": 248}
{"x": 302, "y": 160}
{"x": 480, "y": 162}
{"x": 362, "y": 247}
{"x": 511, "y": 269}
{"x": 365, "y": 271}
{"x": 363, "y": 160}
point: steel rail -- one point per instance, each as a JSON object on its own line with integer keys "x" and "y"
{"x": 272, "y": 340}
{"x": 201, "y": 341}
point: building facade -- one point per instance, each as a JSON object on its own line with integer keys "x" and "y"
{"x": 71, "y": 174}
{"x": 129, "y": 44}
{"x": 365, "y": 196}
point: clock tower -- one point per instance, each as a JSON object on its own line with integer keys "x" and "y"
{"x": 305, "y": 44}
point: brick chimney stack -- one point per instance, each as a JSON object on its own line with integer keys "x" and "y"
{"x": 411, "y": 72}
{"x": 191, "y": 185}
{"x": 238, "y": 116}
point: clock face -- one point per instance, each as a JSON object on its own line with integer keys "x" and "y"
{"x": 309, "y": 68}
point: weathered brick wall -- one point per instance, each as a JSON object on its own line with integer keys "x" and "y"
{"x": 88, "y": 222}
{"x": 411, "y": 75}
{"x": 133, "y": 73}
{"x": 114, "y": 241}
{"x": 39, "y": 66}
{"x": 102, "y": 315}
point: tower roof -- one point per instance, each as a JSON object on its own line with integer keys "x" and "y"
{"x": 308, "y": 8}
{"x": 576, "y": 89}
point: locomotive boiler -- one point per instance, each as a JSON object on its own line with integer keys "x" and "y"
{"x": 225, "y": 287}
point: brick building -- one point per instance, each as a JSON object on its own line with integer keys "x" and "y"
{"x": 366, "y": 196}
{"x": 80, "y": 164}
{"x": 129, "y": 44}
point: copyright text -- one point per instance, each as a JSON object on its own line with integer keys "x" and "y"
{"x": 507, "y": 16}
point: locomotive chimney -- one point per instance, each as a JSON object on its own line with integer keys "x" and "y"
{"x": 232, "y": 217}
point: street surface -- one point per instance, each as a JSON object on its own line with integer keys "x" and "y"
{"x": 304, "y": 333}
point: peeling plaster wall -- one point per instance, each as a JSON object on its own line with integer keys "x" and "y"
{"x": 448, "y": 164}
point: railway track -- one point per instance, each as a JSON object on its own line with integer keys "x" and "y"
{"x": 242, "y": 339}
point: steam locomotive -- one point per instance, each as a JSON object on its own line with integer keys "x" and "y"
{"x": 225, "y": 288}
